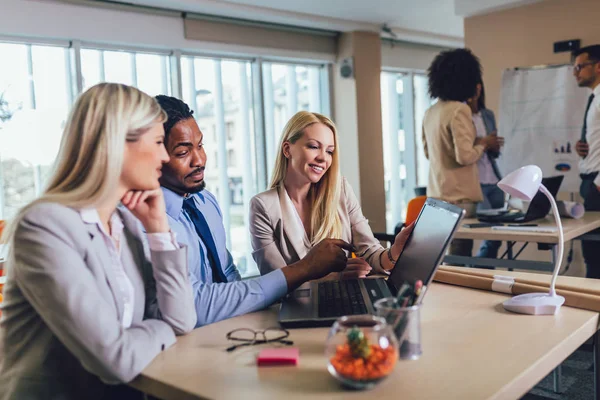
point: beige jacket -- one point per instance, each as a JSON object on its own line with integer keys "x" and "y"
{"x": 448, "y": 140}
{"x": 279, "y": 239}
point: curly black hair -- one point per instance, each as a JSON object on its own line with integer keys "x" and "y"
{"x": 454, "y": 75}
{"x": 176, "y": 111}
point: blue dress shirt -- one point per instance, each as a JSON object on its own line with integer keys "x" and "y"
{"x": 217, "y": 301}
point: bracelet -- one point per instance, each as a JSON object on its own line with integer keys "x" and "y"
{"x": 389, "y": 254}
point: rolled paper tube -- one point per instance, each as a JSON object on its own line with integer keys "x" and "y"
{"x": 570, "y": 209}
{"x": 573, "y": 299}
{"x": 558, "y": 286}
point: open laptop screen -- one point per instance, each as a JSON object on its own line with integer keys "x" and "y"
{"x": 540, "y": 205}
{"x": 427, "y": 244}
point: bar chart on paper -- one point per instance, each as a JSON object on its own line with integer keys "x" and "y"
{"x": 541, "y": 114}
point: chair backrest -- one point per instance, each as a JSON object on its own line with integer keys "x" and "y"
{"x": 413, "y": 209}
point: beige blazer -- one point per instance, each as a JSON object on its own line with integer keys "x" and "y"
{"x": 279, "y": 239}
{"x": 61, "y": 335}
{"x": 448, "y": 140}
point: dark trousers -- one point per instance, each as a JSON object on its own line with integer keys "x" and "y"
{"x": 493, "y": 197}
{"x": 463, "y": 247}
{"x": 591, "y": 202}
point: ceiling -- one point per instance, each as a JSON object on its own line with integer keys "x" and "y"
{"x": 429, "y": 21}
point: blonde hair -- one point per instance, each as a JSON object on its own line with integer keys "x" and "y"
{"x": 89, "y": 163}
{"x": 325, "y": 219}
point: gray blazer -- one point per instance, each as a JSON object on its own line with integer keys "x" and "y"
{"x": 279, "y": 239}
{"x": 60, "y": 334}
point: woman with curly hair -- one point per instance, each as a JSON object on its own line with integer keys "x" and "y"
{"x": 449, "y": 137}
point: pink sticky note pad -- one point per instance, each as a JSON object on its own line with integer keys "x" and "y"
{"x": 278, "y": 356}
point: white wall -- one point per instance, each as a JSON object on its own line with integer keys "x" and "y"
{"x": 410, "y": 56}
{"x": 55, "y": 20}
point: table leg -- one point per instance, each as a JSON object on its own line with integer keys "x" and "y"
{"x": 509, "y": 251}
{"x": 557, "y": 375}
{"x": 597, "y": 365}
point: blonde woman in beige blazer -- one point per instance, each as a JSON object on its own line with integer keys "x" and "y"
{"x": 310, "y": 201}
{"x": 94, "y": 290}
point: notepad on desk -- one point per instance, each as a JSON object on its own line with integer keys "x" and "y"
{"x": 537, "y": 229}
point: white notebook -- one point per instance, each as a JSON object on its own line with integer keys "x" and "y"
{"x": 538, "y": 229}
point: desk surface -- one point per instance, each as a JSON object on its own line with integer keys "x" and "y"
{"x": 472, "y": 348}
{"x": 572, "y": 228}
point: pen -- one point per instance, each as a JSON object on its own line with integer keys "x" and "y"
{"x": 416, "y": 292}
{"x": 522, "y": 224}
{"x": 420, "y": 295}
{"x": 403, "y": 291}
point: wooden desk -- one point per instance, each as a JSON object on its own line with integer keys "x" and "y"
{"x": 572, "y": 229}
{"x": 472, "y": 349}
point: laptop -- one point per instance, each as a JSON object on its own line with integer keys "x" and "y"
{"x": 538, "y": 208}
{"x": 321, "y": 303}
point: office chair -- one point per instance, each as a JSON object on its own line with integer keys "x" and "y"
{"x": 412, "y": 212}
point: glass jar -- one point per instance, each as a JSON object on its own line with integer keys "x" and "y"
{"x": 361, "y": 351}
{"x": 406, "y": 324}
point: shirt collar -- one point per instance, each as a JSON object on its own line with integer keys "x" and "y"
{"x": 596, "y": 91}
{"x": 174, "y": 201}
{"x": 91, "y": 216}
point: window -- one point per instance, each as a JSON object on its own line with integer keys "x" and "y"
{"x": 35, "y": 97}
{"x": 289, "y": 88}
{"x": 38, "y": 84}
{"x": 404, "y": 100}
{"x": 230, "y": 128}
{"x": 219, "y": 93}
{"x": 148, "y": 72}
{"x": 231, "y": 158}
{"x": 421, "y": 104}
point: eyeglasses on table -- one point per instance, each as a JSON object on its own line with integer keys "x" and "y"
{"x": 250, "y": 337}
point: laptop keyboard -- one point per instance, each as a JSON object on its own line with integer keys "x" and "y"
{"x": 337, "y": 298}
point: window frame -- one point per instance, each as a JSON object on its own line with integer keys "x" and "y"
{"x": 411, "y": 141}
{"x": 255, "y": 95}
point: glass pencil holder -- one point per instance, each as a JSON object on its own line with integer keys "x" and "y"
{"x": 405, "y": 323}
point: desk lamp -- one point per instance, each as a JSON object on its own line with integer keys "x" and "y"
{"x": 524, "y": 184}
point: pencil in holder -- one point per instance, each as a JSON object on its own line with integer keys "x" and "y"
{"x": 406, "y": 324}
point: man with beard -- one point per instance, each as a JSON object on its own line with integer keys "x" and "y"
{"x": 195, "y": 217}
{"x": 586, "y": 70}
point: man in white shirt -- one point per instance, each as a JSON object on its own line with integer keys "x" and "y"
{"x": 587, "y": 73}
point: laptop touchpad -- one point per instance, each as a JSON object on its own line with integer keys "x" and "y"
{"x": 300, "y": 293}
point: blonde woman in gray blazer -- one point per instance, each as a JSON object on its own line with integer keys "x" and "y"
{"x": 88, "y": 302}
{"x": 309, "y": 201}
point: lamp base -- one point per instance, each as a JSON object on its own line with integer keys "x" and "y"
{"x": 534, "y": 304}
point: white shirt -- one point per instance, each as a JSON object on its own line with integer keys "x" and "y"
{"x": 299, "y": 224}
{"x": 484, "y": 165}
{"x": 156, "y": 242}
{"x": 592, "y": 162}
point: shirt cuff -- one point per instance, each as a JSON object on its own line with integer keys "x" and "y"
{"x": 597, "y": 180}
{"x": 162, "y": 241}
{"x": 274, "y": 286}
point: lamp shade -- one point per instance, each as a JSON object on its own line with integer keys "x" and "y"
{"x": 522, "y": 183}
